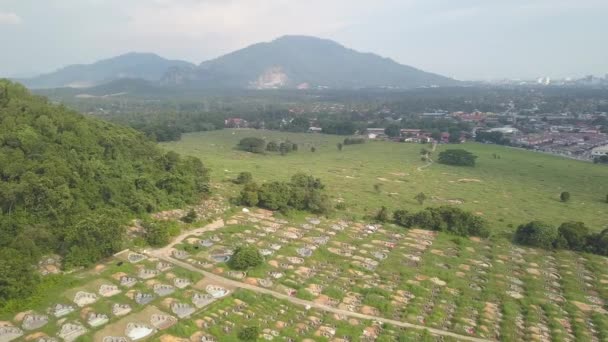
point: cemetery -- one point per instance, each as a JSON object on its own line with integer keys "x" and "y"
{"x": 468, "y": 286}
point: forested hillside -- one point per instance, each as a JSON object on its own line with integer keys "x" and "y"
{"x": 69, "y": 183}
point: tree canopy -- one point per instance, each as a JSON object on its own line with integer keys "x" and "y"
{"x": 70, "y": 182}
{"x": 457, "y": 157}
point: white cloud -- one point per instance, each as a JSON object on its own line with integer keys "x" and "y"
{"x": 9, "y": 18}
{"x": 244, "y": 21}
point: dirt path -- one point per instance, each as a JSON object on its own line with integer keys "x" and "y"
{"x": 429, "y": 159}
{"x": 217, "y": 224}
{"x": 165, "y": 252}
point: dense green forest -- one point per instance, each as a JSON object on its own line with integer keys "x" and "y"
{"x": 69, "y": 183}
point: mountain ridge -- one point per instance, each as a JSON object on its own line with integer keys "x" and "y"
{"x": 306, "y": 62}
{"x": 143, "y": 65}
{"x": 288, "y": 62}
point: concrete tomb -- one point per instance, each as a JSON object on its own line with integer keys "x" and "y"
{"x": 199, "y": 300}
{"x": 114, "y": 339}
{"x": 179, "y": 254}
{"x": 97, "y": 319}
{"x": 162, "y": 322}
{"x": 106, "y": 290}
{"x": 163, "y": 266}
{"x": 145, "y": 273}
{"x": 71, "y": 331}
{"x": 181, "y": 283}
{"x": 137, "y": 331}
{"x": 33, "y": 321}
{"x": 60, "y": 310}
{"x": 127, "y": 281}
{"x": 121, "y": 309}
{"x": 163, "y": 290}
{"x": 83, "y": 298}
{"x": 216, "y": 291}
{"x": 135, "y": 257}
{"x": 10, "y": 333}
{"x": 182, "y": 310}
{"x": 143, "y": 298}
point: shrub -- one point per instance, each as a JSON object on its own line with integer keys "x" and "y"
{"x": 536, "y": 234}
{"x": 245, "y": 257}
{"x": 252, "y": 144}
{"x": 272, "y": 147}
{"x": 190, "y": 217}
{"x": 457, "y": 157}
{"x": 304, "y": 192}
{"x": 248, "y": 334}
{"x": 564, "y": 196}
{"x": 243, "y": 178}
{"x": 421, "y": 197}
{"x": 382, "y": 215}
{"x": 574, "y": 234}
{"x": 354, "y": 141}
{"x": 444, "y": 218}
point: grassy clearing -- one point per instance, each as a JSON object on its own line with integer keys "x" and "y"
{"x": 518, "y": 187}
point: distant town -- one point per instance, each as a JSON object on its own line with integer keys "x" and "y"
{"x": 581, "y": 137}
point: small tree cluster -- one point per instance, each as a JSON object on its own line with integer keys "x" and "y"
{"x": 354, "y": 141}
{"x": 190, "y": 217}
{"x": 445, "y": 218}
{"x": 245, "y": 257}
{"x": 303, "y": 192}
{"x": 159, "y": 233}
{"x": 252, "y": 144}
{"x": 243, "y": 178}
{"x": 569, "y": 235}
{"x": 248, "y": 333}
{"x": 457, "y": 157}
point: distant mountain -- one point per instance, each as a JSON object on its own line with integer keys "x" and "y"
{"x": 146, "y": 66}
{"x": 302, "y": 62}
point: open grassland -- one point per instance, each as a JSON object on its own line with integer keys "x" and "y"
{"x": 517, "y": 187}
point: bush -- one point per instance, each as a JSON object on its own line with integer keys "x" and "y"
{"x": 252, "y": 144}
{"x": 245, "y": 257}
{"x": 444, "y": 218}
{"x": 248, "y": 334}
{"x": 249, "y": 195}
{"x": 598, "y": 243}
{"x": 354, "y": 141}
{"x": 382, "y": 215}
{"x": 243, "y": 178}
{"x": 564, "y": 196}
{"x": 457, "y": 157}
{"x": 190, "y": 217}
{"x": 302, "y": 193}
{"x": 536, "y": 234}
{"x": 574, "y": 234}
{"x": 272, "y": 147}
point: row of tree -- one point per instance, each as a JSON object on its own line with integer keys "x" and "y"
{"x": 303, "y": 192}
{"x": 569, "y": 235}
{"x": 444, "y": 219}
{"x": 259, "y": 145}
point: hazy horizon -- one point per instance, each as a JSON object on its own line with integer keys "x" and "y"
{"x": 471, "y": 40}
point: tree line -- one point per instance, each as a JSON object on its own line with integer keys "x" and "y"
{"x": 302, "y": 192}
{"x": 443, "y": 219}
{"x": 571, "y": 235}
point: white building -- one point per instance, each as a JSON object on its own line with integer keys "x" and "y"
{"x": 600, "y": 151}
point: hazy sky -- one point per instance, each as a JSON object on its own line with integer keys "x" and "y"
{"x": 465, "y": 39}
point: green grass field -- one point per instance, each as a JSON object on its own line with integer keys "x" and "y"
{"x": 519, "y": 187}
